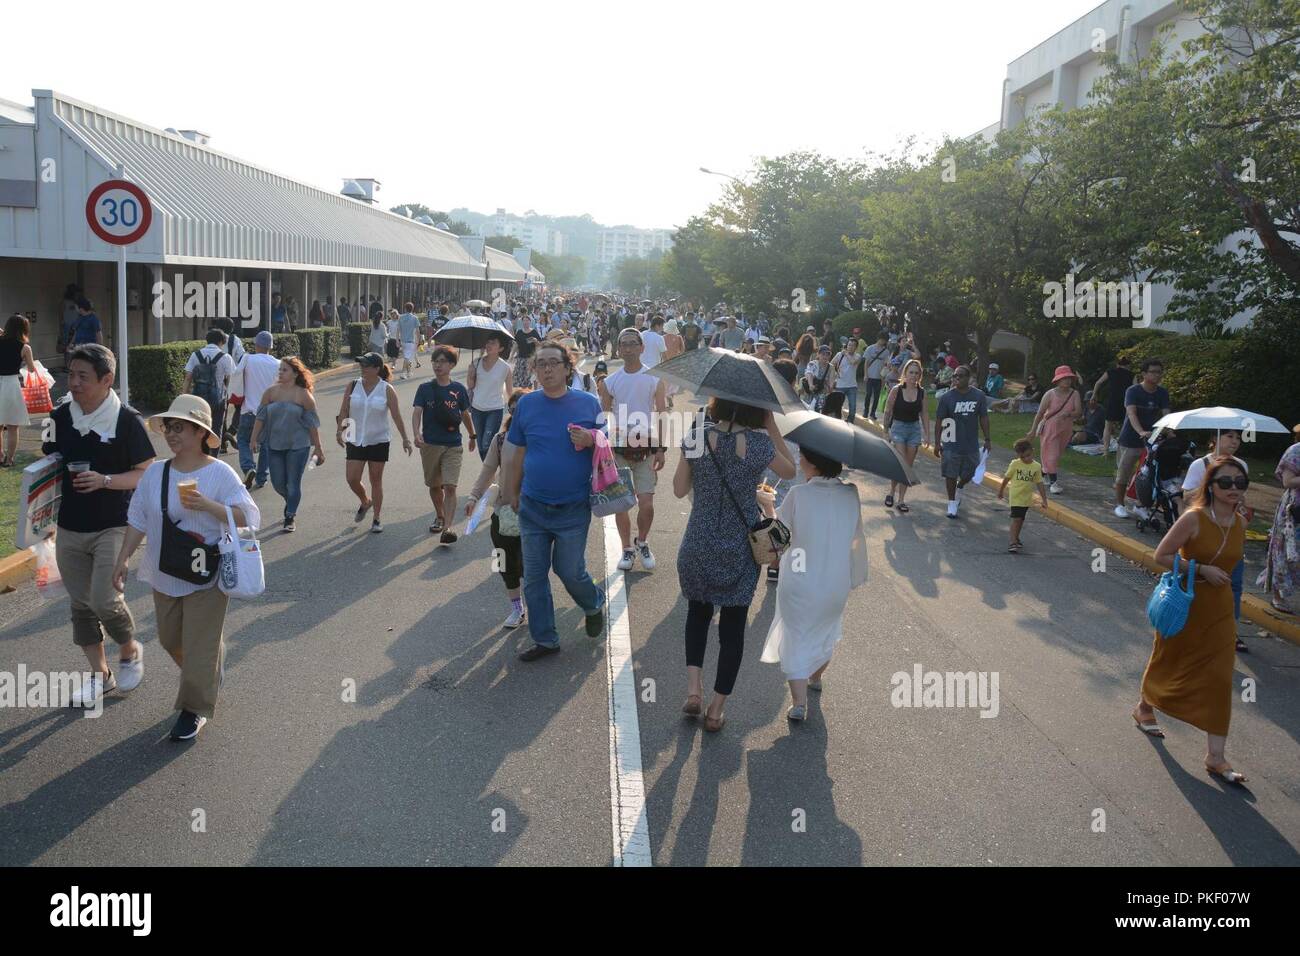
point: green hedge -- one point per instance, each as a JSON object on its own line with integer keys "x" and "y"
{"x": 318, "y": 348}
{"x": 158, "y": 372}
{"x": 284, "y": 344}
{"x": 358, "y": 338}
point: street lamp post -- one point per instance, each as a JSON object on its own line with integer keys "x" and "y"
{"x": 712, "y": 172}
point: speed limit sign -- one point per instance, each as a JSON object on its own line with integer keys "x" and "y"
{"x": 118, "y": 212}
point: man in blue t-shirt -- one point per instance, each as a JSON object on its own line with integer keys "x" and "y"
{"x": 959, "y": 415}
{"x": 87, "y": 329}
{"x": 1144, "y": 404}
{"x": 441, "y": 407}
{"x": 546, "y": 478}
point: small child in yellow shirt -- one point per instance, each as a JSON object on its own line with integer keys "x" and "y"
{"x": 1022, "y": 475}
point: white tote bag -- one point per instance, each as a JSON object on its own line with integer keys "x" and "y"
{"x": 241, "y": 574}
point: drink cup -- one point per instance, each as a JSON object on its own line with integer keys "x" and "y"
{"x": 76, "y": 467}
{"x": 187, "y": 488}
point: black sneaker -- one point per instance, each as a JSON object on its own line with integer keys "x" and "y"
{"x": 188, "y": 725}
{"x": 449, "y": 537}
{"x": 538, "y": 651}
{"x": 596, "y": 624}
{"x": 289, "y": 525}
{"x": 249, "y": 477}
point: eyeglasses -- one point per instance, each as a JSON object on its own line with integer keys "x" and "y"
{"x": 174, "y": 426}
{"x": 548, "y": 363}
{"x": 1241, "y": 482}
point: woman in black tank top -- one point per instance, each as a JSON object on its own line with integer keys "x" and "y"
{"x": 15, "y": 353}
{"x": 906, "y": 424}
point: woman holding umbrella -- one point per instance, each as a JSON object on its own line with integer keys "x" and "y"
{"x": 824, "y": 515}
{"x": 489, "y": 387}
{"x": 715, "y": 564}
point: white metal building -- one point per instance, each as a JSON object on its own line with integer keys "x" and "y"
{"x": 216, "y": 219}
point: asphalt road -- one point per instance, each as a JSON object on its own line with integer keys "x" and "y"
{"x": 453, "y": 752}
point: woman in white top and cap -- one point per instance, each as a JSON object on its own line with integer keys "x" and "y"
{"x": 190, "y": 610}
{"x": 368, "y": 403}
{"x": 826, "y": 559}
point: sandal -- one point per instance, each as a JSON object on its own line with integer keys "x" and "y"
{"x": 693, "y": 706}
{"x": 903, "y": 508}
{"x": 436, "y": 527}
{"x": 713, "y": 724}
{"x": 1151, "y": 728}
{"x": 1225, "y": 773}
{"x": 889, "y": 501}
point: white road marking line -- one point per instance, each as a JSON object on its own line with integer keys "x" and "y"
{"x": 631, "y": 832}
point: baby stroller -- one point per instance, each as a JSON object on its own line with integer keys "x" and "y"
{"x": 1158, "y": 484}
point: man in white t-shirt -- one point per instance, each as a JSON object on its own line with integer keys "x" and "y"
{"x": 846, "y": 381}
{"x": 654, "y": 343}
{"x": 633, "y": 401}
{"x": 260, "y": 370}
{"x": 207, "y": 374}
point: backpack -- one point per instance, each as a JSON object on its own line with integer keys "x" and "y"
{"x": 205, "y": 379}
{"x": 692, "y": 336}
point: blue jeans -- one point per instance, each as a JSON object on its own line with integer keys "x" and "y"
{"x": 244, "y": 441}
{"x": 287, "y": 467}
{"x": 486, "y": 424}
{"x": 555, "y": 535}
{"x": 1238, "y": 574}
{"x": 850, "y": 401}
{"x": 873, "y": 397}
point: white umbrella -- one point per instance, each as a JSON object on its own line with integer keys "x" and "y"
{"x": 1218, "y": 419}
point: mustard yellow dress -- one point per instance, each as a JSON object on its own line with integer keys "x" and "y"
{"x": 1189, "y": 675}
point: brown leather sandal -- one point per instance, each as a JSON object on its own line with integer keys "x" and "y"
{"x": 1225, "y": 773}
{"x": 1149, "y": 727}
{"x": 694, "y": 704}
{"x": 713, "y": 724}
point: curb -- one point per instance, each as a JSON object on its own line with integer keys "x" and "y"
{"x": 1253, "y": 608}
{"x": 17, "y": 567}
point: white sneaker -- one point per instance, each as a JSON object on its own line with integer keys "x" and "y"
{"x": 647, "y": 556}
{"x": 92, "y": 690}
{"x": 952, "y": 509}
{"x": 1056, "y": 488}
{"x": 515, "y": 619}
{"x": 130, "y": 673}
{"x": 629, "y": 558}
{"x": 1120, "y": 512}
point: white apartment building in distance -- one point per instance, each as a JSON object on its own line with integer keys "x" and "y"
{"x": 543, "y": 239}
{"x": 1062, "y": 69}
{"x": 628, "y": 242}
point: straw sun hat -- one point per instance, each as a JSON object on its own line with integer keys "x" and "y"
{"x": 190, "y": 408}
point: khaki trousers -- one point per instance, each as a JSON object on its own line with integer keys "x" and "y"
{"x": 86, "y": 560}
{"x": 191, "y": 626}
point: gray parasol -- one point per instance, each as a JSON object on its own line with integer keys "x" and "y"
{"x": 853, "y": 446}
{"x": 722, "y": 373}
{"x": 474, "y": 332}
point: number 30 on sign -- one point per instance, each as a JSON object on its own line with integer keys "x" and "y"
{"x": 119, "y": 212}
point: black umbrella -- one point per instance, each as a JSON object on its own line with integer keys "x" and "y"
{"x": 731, "y": 375}
{"x": 474, "y": 332}
{"x": 853, "y": 446}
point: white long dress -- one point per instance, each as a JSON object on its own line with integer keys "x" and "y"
{"x": 826, "y": 559}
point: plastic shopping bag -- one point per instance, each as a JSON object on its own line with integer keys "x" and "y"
{"x": 36, "y": 395}
{"x": 49, "y": 583}
{"x": 981, "y": 467}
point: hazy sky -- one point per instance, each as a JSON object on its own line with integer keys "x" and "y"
{"x": 562, "y": 107}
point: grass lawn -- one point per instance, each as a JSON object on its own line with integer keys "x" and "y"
{"x": 10, "y": 481}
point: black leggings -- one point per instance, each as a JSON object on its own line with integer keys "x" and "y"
{"x": 731, "y": 640}
{"x": 512, "y": 546}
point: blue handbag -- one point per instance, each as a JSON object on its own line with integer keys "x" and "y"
{"x": 1167, "y": 609}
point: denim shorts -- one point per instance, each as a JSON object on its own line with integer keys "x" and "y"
{"x": 906, "y": 433}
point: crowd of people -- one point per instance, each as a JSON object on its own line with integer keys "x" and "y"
{"x": 540, "y": 423}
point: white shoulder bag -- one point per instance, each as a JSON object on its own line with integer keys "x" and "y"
{"x": 241, "y": 574}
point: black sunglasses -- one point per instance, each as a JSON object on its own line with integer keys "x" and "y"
{"x": 1241, "y": 482}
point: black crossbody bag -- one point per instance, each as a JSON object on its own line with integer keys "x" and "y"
{"x": 180, "y": 552}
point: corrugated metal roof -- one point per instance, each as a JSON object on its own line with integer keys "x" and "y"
{"x": 502, "y": 266}
{"x": 215, "y": 206}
